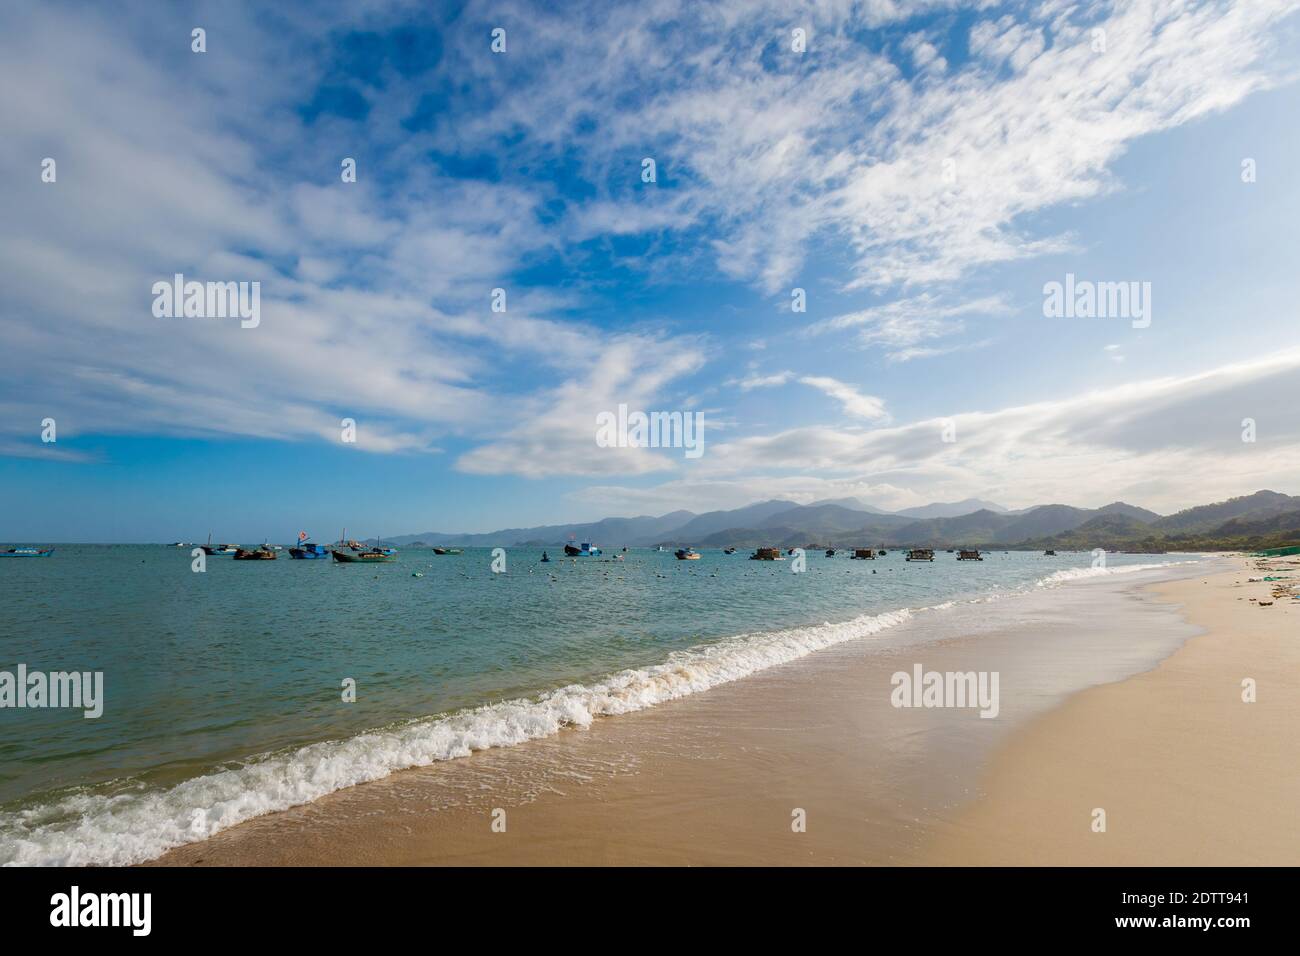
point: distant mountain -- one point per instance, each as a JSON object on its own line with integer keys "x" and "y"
{"x": 829, "y": 519}
{"x": 630, "y": 532}
{"x": 1132, "y": 511}
{"x": 1262, "y": 504}
{"x": 1264, "y": 519}
{"x": 1043, "y": 520}
{"x": 951, "y": 509}
{"x": 979, "y": 527}
{"x": 1113, "y": 531}
{"x": 854, "y": 504}
{"x": 700, "y": 527}
{"x": 1287, "y": 521}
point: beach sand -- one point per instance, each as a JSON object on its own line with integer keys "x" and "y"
{"x": 1187, "y": 773}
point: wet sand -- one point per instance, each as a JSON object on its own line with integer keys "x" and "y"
{"x": 1186, "y": 771}
{"x": 721, "y": 777}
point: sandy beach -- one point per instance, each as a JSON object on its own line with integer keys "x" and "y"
{"x": 1187, "y": 772}
{"x": 1113, "y": 695}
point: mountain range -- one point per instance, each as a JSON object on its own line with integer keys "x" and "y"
{"x": 1263, "y": 519}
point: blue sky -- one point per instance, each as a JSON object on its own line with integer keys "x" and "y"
{"x": 921, "y": 170}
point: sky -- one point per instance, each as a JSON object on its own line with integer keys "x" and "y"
{"x": 913, "y": 173}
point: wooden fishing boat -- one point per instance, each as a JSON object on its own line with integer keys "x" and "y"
{"x": 965, "y": 555}
{"x": 373, "y": 556}
{"x": 830, "y": 552}
{"x": 1049, "y": 553}
{"x": 686, "y": 554}
{"x": 585, "y": 551}
{"x": 306, "y": 551}
{"x": 27, "y": 553}
{"x": 728, "y": 550}
{"x": 211, "y": 548}
{"x": 863, "y": 554}
{"x": 262, "y": 553}
{"x": 448, "y": 551}
{"x": 920, "y": 554}
{"x": 767, "y": 554}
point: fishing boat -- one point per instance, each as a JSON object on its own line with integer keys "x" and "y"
{"x": 586, "y": 550}
{"x": 261, "y": 553}
{"x": 306, "y": 551}
{"x": 27, "y": 553}
{"x": 864, "y": 554}
{"x": 728, "y": 550}
{"x": 546, "y": 558}
{"x": 373, "y": 556}
{"x": 882, "y": 553}
{"x": 448, "y": 551}
{"x": 920, "y": 554}
{"x": 830, "y": 552}
{"x": 1049, "y": 553}
{"x": 686, "y": 554}
{"x": 767, "y": 554}
{"x": 211, "y": 548}
{"x": 965, "y": 555}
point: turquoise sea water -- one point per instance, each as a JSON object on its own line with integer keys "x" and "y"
{"x": 223, "y": 693}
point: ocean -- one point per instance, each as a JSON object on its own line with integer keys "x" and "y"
{"x": 224, "y": 690}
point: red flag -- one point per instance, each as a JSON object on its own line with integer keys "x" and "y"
{"x": 302, "y": 535}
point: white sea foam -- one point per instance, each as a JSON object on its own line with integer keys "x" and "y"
{"x": 93, "y": 829}
{"x": 1078, "y": 574}
{"x": 86, "y": 828}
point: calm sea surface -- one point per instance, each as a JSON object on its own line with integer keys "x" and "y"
{"x": 223, "y": 694}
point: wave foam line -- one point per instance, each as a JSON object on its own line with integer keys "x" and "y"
{"x": 1077, "y": 574}
{"x": 93, "y": 829}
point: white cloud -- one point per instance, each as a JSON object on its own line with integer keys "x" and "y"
{"x": 851, "y": 400}
{"x": 555, "y": 432}
{"x": 1163, "y": 443}
{"x": 750, "y": 382}
{"x": 901, "y": 326}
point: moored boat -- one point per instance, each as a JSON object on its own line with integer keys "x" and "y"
{"x": 969, "y": 555}
{"x": 586, "y": 550}
{"x": 27, "y": 553}
{"x": 211, "y": 548}
{"x": 260, "y": 553}
{"x": 686, "y": 554}
{"x": 864, "y": 554}
{"x": 1049, "y": 553}
{"x": 728, "y": 550}
{"x": 373, "y": 556}
{"x": 767, "y": 554}
{"x": 920, "y": 554}
{"x": 306, "y": 551}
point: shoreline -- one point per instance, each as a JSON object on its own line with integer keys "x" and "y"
{"x": 715, "y": 778}
{"x": 1187, "y": 772}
